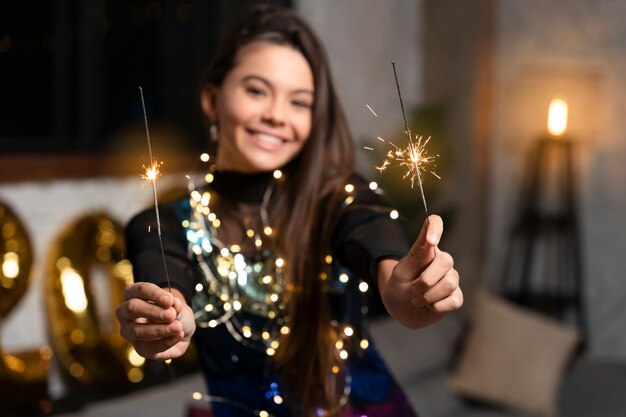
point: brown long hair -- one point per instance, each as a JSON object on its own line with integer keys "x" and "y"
{"x": 306, "y": 205}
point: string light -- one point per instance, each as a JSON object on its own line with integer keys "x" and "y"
{"x": 349, "y": 331}
{"x": 198, "y": 396}
{"x": 226, "y": 270}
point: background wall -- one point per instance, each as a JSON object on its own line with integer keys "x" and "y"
{"x": 362, "y": 37}
{"x": 576, "y": 49}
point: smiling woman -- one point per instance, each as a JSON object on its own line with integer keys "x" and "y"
{"x": 272, "y": 253}
{"x": 262, "y": 109}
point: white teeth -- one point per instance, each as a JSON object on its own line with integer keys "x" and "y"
{"x": 269, "y": 138}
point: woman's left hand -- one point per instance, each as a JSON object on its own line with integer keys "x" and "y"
{"x": 423, "y": 286}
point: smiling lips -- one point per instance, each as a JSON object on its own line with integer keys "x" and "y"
{"x": 266, "y": 141}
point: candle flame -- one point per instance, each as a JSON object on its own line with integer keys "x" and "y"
{"x": 557, "y": 117}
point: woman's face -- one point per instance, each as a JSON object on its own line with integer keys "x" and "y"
{"x": 263, "y": 108}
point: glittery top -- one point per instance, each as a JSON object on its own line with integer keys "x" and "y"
{"x": 239, "y": 371}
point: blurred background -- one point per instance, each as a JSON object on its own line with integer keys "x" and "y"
{"x": 534, "y": 216}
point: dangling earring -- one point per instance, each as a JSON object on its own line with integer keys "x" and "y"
{"x": 214, "y": 132}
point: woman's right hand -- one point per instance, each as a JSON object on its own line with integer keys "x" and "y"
{"x": 158, "y": 323}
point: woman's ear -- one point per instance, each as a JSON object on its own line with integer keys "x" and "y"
{"x": 208, "y": 100}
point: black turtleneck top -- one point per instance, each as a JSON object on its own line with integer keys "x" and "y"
{"x": 364, "y": 235}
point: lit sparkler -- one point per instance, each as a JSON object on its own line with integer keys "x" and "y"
{"x": 153, "y": 171}
{"x": 414, "y": 157}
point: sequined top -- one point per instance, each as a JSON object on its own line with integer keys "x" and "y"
{"x": 236, "y": 365}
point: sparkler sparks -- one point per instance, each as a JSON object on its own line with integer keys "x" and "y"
{"x": 152, "y": 173}
{"x": 373, "y": 112}
{"x": 413, "y": 158}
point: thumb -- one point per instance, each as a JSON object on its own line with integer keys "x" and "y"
{"x": 423, "y": 250}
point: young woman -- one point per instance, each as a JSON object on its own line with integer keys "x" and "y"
{"x": 270, "y": 256}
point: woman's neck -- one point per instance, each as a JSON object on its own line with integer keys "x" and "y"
{"x": 241, "y": 187}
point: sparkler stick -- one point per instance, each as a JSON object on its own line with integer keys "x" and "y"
{"x": 413, "y": 157}
{"x": 152, "y": 172}
{"x": 414, "y": 150}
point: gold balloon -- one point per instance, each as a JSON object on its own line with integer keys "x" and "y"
{"x": 23, "y": 375}
{"x": 16, "y": 259}
{"x": 87, "y": 274}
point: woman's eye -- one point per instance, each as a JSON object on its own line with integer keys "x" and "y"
{"x": 301, "y": 104}
{"x": 255, "y": 91}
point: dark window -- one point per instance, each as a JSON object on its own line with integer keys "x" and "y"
{"x": 70, "y": 71}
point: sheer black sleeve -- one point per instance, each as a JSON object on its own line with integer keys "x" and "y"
{"x": 144, "y": 251}
{"x": 366, "y": 234}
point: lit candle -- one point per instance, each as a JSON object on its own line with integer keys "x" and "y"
{"x": 557, "y": 117}
{"x": 553, "y": 156}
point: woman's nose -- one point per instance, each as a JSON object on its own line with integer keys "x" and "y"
{"x": 275, "y": 113}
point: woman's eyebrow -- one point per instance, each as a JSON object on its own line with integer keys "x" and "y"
{"x": 259, "y": 78}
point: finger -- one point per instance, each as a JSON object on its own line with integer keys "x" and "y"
{"x": 149, "y": 292}
{"x": 423, "y": 252}
{"x": 451, "y": 303}
{"x": 150, "y": 332}
{"x": 441, "y": 264}
{"x": 136, "y": 308}
{"x": 442, "y": 289}
{"x": 179, "y": 302}
{"x": 154, "y": 349}
{"x": 435, "y": 229}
